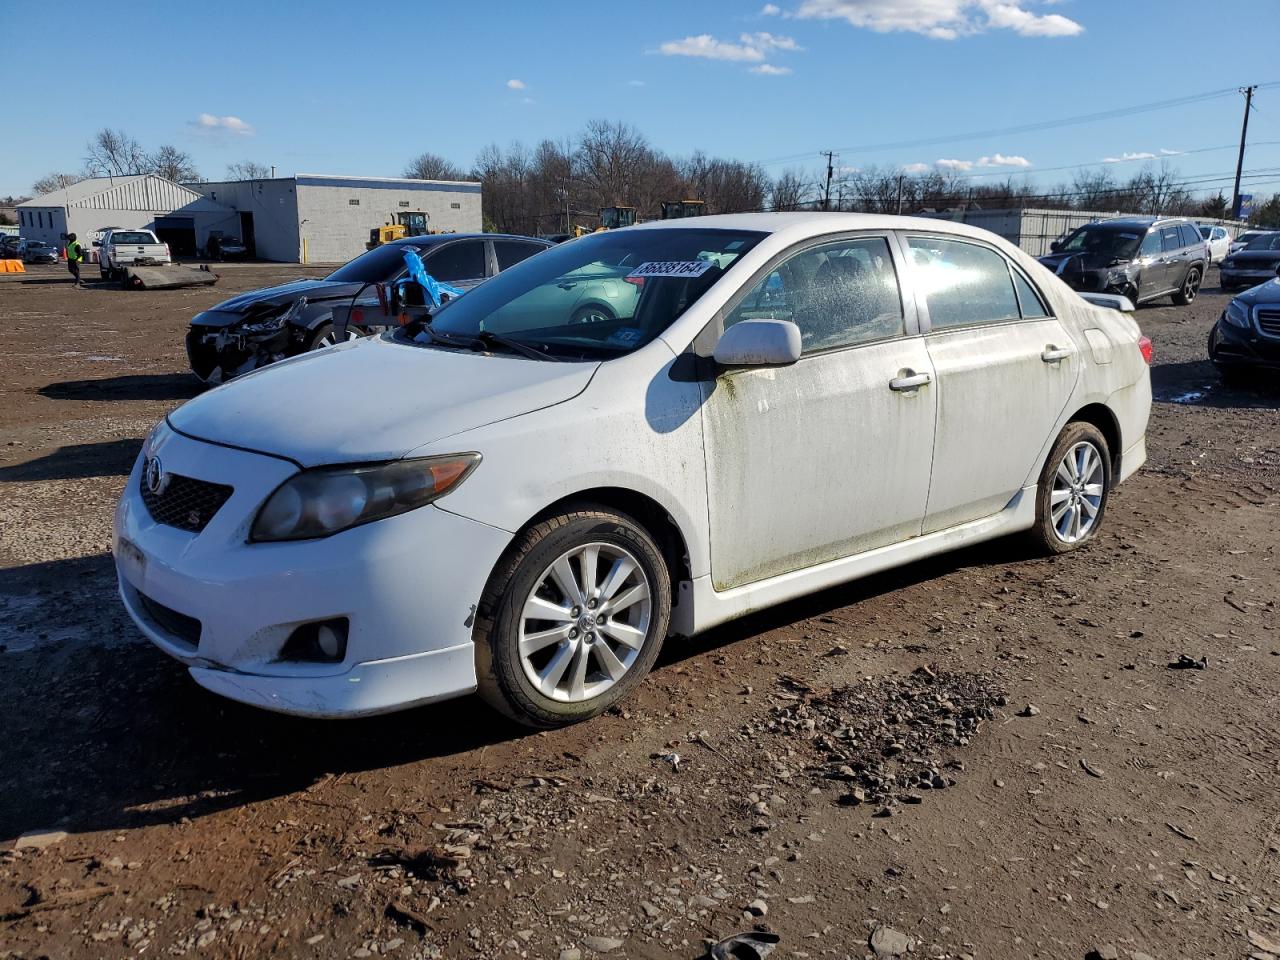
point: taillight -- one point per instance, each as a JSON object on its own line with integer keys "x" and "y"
{"x": 638, "y": 281}
{"x": 166, "y": 250}
{"x": 1148, "y": 349}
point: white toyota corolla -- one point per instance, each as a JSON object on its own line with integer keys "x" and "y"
{"x": 527, "y": 497}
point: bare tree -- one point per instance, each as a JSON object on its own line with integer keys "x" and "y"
{"x": 432, "y": 166}
{"x": 54, "y": 181}
{"x": 789, "y": 192}
{"x": 247, "y": 170}
{"x": 173, "y": 164}
{"x": 113, "y": 153}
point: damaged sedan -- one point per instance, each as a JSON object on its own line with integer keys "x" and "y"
{"x": 526, "y": 500}
{"x": 263, "y": 326}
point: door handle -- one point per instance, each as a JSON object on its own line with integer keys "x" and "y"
{"x": 912, "y": 381}
{"x": 1054, "y": 354}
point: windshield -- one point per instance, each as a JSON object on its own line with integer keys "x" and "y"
{"x": 1110, "y": 242}
{"x": 601, "y": 296}
{"x": 379, "y": 265}
{"x": 1268, "y": 241}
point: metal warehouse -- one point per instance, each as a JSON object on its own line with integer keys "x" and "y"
{"x": 180, "y": 216}
{"x": 310, "y": 218}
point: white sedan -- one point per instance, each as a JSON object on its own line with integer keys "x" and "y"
{"x": 529, "y": 504}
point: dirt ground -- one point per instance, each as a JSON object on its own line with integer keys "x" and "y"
{"x": 771, "y": 774}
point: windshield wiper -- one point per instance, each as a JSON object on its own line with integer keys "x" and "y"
{"x": 488, "y": 338}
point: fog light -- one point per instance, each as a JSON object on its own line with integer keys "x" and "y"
{"x": 324, "y": 641}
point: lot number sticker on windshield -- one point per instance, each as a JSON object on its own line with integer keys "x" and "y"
{"x": 672, "y": 268}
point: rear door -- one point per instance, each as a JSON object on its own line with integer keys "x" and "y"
{"x": 1005, "y": 370}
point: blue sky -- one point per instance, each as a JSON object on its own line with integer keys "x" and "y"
{"x": 341, "y": 88}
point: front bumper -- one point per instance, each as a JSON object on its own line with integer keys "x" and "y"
{"x": 407, "y": 585}
{"x": 1098, "y": 281}
{"x": 1230, "y": 345}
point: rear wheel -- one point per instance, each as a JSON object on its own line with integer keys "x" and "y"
{"x": 1190, "y": 287}
{"x": 1075, "y": 484}
{"x": 592, "y": 313}
{"x": 572, "y": 619}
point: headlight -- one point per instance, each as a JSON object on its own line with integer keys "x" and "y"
{"x": 1119, "y": 277}
{"x": 1237, "y": 315}
{"x": 320, "y": 502}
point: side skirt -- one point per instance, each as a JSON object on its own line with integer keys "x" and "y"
{"x": 701, "y": 606}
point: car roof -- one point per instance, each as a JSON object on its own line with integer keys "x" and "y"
{"x": 814, "y": 223}
{"x": 432, "y": 239}
{"x": 1136, "y": 223}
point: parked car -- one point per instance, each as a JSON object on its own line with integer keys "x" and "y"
{"x": 12, "y": 247}
{"x": 226, "y": 248}
{"x": 1247, "y": 335}
{"x": 1257, "y": 263}
{"x": 1242, "y": 241}
{"x": 1142, "y": 258}
{"x": 789, "y": 403}
{"x": 120, "y": 249}
{"x": 1219, "y": 242}
{"x": 260, "y": 327}
{"x": 37, "y": 251}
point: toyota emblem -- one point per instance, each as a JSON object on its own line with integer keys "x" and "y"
{"x": 154, "y": 476}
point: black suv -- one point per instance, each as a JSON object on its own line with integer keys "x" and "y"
{"x": 1141, "y": 258}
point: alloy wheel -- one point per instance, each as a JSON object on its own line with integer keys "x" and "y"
{"x": 1192, "y": 286}
{"x": 331, "y": 338}
{"x": 1078, "y": 488}
{"x": 585, "y": 622}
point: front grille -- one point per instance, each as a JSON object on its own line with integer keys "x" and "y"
{"x": 1269, "y": 321}
{"x": 184, "y": 503}
{"x": 179, "y": 625}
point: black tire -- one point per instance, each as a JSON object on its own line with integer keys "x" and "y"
{"x": 501, "y": 678}
{"x": 1190, "y": 287}
{"x": 1044, "y": 534}
{"x": 592, "y": 313}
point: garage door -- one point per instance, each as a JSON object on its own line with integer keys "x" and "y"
{"x": 179, "y": 233}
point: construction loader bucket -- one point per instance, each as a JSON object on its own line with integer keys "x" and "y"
{"x": 12, "y": 266}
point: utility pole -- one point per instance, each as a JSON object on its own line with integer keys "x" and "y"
{"x": 826, "y": 193}
{"x": 1244, "y": 130}
{"x": 901, "y": 178}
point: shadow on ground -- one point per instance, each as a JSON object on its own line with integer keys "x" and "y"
{"x": 148, "y": 386}
{"x": 121, "y": 737}
{"x": 1198, "y": 383}
{"x": 106, "y": 458}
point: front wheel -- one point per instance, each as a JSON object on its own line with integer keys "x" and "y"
{"x": 325, "y": 336}
{"x": 1074, "y": 487}
{"x": 572, "y": 619}
{"x": 1190, "y": 287}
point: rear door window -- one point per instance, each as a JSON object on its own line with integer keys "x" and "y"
{"x": 511, "y": 252}
{"x": 455, "y": 262}
{"x": 1190, "y": 238}
{"x": 1171, "y": 238}
{"x": 964, "y": 283}
{"x": 1028, "y": 299}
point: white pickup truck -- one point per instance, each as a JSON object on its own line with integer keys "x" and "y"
{"x": 119, "y": 249}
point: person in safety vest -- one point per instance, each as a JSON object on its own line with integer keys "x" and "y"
{"x": 75, "y": 254}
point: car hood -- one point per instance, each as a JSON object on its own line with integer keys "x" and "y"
{"x": 1255, "y": 258}
{"x": 1266, "y": 292}
{"x": 1080, "y": 262}
{"x": 287, "y": 293}
{"x": 373, "y": 399}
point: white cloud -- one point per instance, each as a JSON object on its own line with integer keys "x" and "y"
{"x": 1126, "y": 157}
{"x": 963, "y": 166}
{"x": 515, "y": 84}
{"x": 769, "y": 70}
{"x": 1000, "y": 160}
{"x": 750, "y": 48}
{"x": 211, "y": 123}
{"x": 1166, "y": 152}
{"x": 770, "y": 10}
{"x": 941, "y": 19}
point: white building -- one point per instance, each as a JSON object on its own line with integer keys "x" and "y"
{"x": 179, "y": 215}
{"x": 310, "y": 218}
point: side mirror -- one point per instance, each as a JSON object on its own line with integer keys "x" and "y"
{"x": 97, "y": 243}
{"x": 1112, "y": 301}
{"x": 1055, "y": 246}
{"x": 759, "y": 343}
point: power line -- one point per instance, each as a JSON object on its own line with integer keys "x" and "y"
{"x": 1033, "y": 127}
